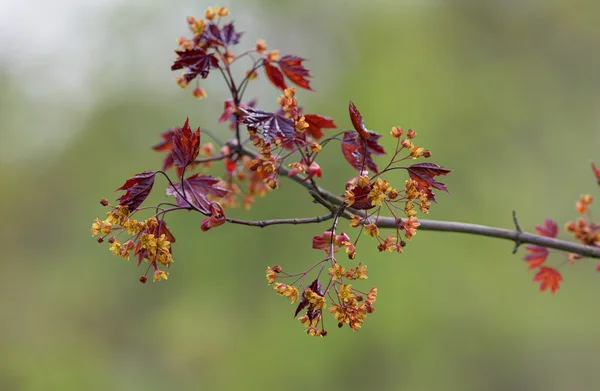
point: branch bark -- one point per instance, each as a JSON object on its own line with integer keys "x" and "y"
{"x": 333, "y": 202}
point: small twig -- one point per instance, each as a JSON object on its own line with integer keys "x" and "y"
{"x": 519, "y": 232}
{"x": 265, "y": 223}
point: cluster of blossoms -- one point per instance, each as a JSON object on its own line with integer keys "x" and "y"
{"x": 150, "y": 240}
{"x": 286, "y": 141}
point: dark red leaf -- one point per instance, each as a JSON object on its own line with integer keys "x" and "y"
{"x": 357, "y": 121}
{"x": 275, "y": 75}
{"x": 303, "y": 303}
{"x": 424, "y": 174}
{"x": 166, "y": 145}
{"x": 549, "y": 229}
{"x": 197, "y": 61}
{"x": 596, "y": 172}
{"x": 358, "y": 151}
{"x": 186, "y": 145}
{"x": 316, "y": 287}
{"x": 362, "y": 201}
{"x": 197, "y": 187}
{"x": 536, "y": 256}
{"x": 272, "y": 124}
{"x": 225, "y": 36}
{"x": 316, "y": 123}
{"x": 295, "y": 71}
{"x": 138, "y": 187}
{"x": 548, "y": 278}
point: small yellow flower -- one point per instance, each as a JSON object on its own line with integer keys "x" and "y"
{"x": 210, "y": 13}
{"x": 160, "y": 275}
{"x": 372, "y": 229}
{"x": 271, "y": 275}
{"x": 222, "y": 11}
{"x": 336, "y": 272}
{"x": 199, "y": 93}
{"x": 261, "y": 46}
{"x": 96, "y": 227}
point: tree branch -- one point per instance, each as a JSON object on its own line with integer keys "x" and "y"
{"x": 265, "y": 223}
{"x": 333, "y": 202}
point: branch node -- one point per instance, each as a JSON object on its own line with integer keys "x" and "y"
{"x": 519, "y": 232}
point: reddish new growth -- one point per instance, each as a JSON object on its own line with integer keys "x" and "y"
{"x": 263, "y": 146}
{"x": 585, "y": 230}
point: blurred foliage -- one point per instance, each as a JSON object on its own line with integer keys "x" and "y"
{"x": 504, "y": 93}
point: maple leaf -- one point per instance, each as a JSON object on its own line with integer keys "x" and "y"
{"x": 314, "y": 286}
{"x": 549, "y": 229}
{"x": 197, "y": 187}
{"x": 274, "y": 75}
{"x": 316, "y": 123}
{"x": 166, "y": 145}
{"x": 230, "y": 110}
{"x": 548, "y": 278}
{"x": 272, "y": 124}
{"x": 357, "y": 150}
{"x": 197, "y": 61}
{"x": 424, "y": 174}
{"x": 224, "y": 37}
{"x": 295, "y": 71}
{"x": 536, "y": 257}
{"x": 596, "y": 172}
{"x": 137, "y": 189}
{"x": 186, "y": 145}
{"x": 357, "y": 121}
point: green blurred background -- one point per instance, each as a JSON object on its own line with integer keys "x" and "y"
{"x": 506, "y": 93}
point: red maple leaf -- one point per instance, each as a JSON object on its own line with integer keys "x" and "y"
{"x": 316, "y": 123}
{"x": 548, "y": 278}
{"x": 536, "y": 257}
{"x": 357, "y": 151}
{"x": 166, "y": 145}
{"x": 221, "y": 36}
{"x": 295, "y": 71}
{"x": 197, "y": 61}
{"x": 424, "y": 174}
{"x": 596, "y": 172}
{"x": 138, "y": 187}
{"x": 197, "y": 187}
{"x": 357, "y": 121}
{"x": 185, "y": 146}
{"x": 272, "y": 124}
{"x": 549, "y": 229}
{"x": 274, "y": 75}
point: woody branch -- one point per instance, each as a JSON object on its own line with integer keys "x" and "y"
{"x": 334, "y": 203}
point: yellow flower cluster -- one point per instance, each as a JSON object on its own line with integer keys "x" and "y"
{"x": 287, "y": 291}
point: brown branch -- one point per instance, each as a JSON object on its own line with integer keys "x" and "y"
{"x": 333, "y": 202}
{"x": 265, "y": 223}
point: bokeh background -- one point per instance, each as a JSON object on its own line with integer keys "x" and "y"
{"x": 506, "y": 93}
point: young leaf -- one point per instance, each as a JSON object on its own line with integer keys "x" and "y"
{"x": 138, "y": 187}
{"x": 548, "y": 278}
{"x": 223, "y": 37}
{"x": 166, "y": 145}
{"x": 536, "y": 257}
{"x": 424, "y": 174}
{"x": 295, "y": 71}
{"x": 357, "y": 121}
{"x": 357, "y": 151}
{"x": 272, "y": 124}
{"x": 197, "y": 187}
{"x": 197, "y": 61}
{"x": 596, "y": 172}
{"x": 186, "y": 145}
{"x": 549, "y": 229}
{"x": 274, "y": 75}
{"x": 316, "y": 123}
